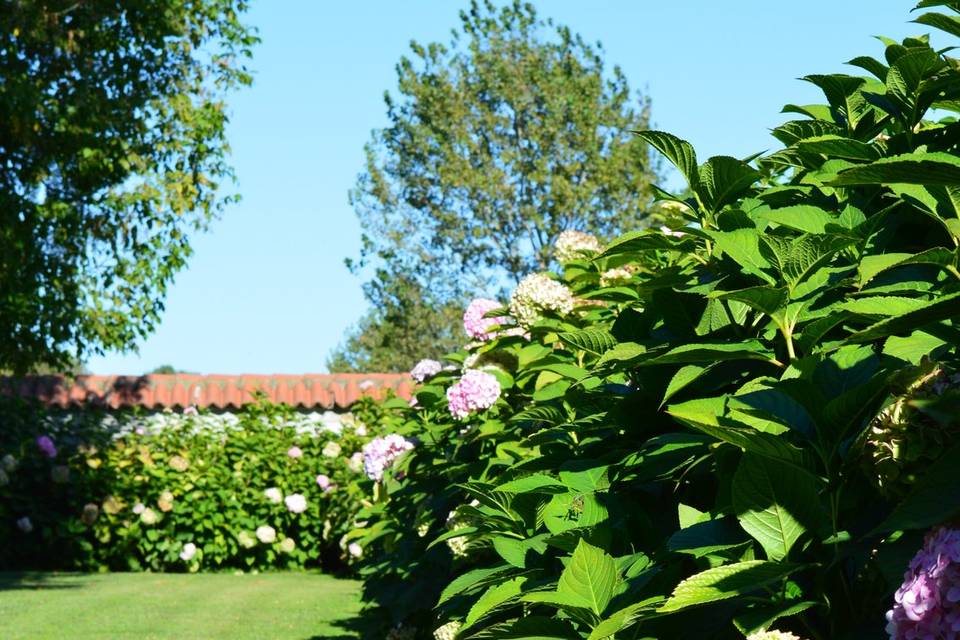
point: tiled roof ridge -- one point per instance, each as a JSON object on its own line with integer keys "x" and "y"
{"x": 216, "y": 391}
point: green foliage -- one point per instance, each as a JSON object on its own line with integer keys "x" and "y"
{"x": 130, "y": 499}
{"x": 112, "y": 153}
{"x": 497, "y": 142}
{"x": 705, "y": 449}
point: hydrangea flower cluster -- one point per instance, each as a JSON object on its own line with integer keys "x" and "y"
{"x": 188, "y": 552}
{"x": 475, "y": 391}
{"x": 46, "y": 446}
{"x": 426, "y": 368}
{"x": 447, "y": 631}
{"x": 266, "y": 534}
{"x": 537, "y": 293}
{"x": 379, "y": 453}
{"x": 613, "y": 277}
{"x": 474, "y": 322}
{"x": 927, "y": 604}
{"x": 573, "y": 245}
{"x": 773, "y": 635}
{"x": 296, "y": 503}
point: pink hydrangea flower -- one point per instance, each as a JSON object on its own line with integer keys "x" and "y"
{"x": 46, "y": 446}
{"x": 927, "y": 605}
{"x": 474, "y": 322}
{"x": 379, "y": 453}
{"x": 295, "y": 452}
{"x": 323, "y": 481}
{"x": 425, "y": 369}
{"x": 475, "y": 391}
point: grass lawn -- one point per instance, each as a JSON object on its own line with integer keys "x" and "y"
{"x": 298, "y": 606}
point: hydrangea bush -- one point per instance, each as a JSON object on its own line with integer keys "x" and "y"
{"x": 724, "y": 429}
{"x": 255, "y": 493}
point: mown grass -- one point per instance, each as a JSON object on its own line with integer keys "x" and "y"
{"x": 295, "y": 606}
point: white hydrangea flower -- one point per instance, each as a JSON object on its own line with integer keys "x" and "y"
{"x": 287, "y": 545}
{"x": 773, "y": 635}
{"x": 575, "y": 245}
{"x": 355, "y": 550}
{"x": 9, "y": 463}
{"x": 613, "y": 277}
{"x": 274, "y": 495}
{"x": 25, "y": 524}
{"x": 537, "y": 293}
{"x": 458, "y": 546}
{"x": 448, "y": 631}
{"x": 246, "y": 540}
{"x": 331, "y": 449}
{"x": 188, "y": 552}
{"x": 266, "y": 534}
{"x": 148, "y": 516}
{"x": 296, "y": 503}
{"x": 138, "y": 508}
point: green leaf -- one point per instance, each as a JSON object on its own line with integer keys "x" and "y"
{"x": 590, "y": 577}
{"x": 548, "y": 413}
{"x": 634, "y": 242}
{"x": 924, "y": 168}
{"x": 493, "y": 598}
{"x": 950, "y": 24}
{"x": 684, "y": 377}
{"x": 761, "y": 617}
{"x": 535, "y": 483}
{"x": 913, "y": 348}
{"x": 623, "y": 352}
{"x": 802, "y": 217}
{"x": 594, "y": 340}
{"x": 469, "y": 580}
{"x": 708, "y": 416}
{"x": 775, "y": 504}
{"x": 881, "y": 305}
{"x": 677, "y": 151}
{"x": 622, "y": 618}
{"x": 705, "y": 538}
{"x": 838, "y": 147}
{"x": 935, "y": 499}
{"x": 712, "y": 352}
{"x": 942, "y": 308}
{"x": 724, "y": 179}
{"x": 765, "y": 299}
{"x": 743, "y": 247}
{"x": 514, "y": 551}
{"x": 873, "y": 265}
{"x": 539, "y": 628}
{"x": 727, "y": 581}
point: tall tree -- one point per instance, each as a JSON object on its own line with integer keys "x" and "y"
{"x": 498, "y": 141}
{"x": 112, "y": 153}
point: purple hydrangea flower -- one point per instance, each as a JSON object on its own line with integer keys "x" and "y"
{"x": 474, "y": 322}
{"x": 475, "y": 391}
{"x": 425, "y": 369}
{"x": 46, "y": 446}
{"x": 379, "y": 453}
{"x": 927, "y": 605}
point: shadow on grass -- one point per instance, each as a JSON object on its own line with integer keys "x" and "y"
{"x": 361, "y": 627}
{"x": 36, "y": 581}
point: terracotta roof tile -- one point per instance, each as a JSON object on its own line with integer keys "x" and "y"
{"x": 161, "y": 391}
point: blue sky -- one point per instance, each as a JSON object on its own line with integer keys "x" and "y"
{"x": 267, "y": 291}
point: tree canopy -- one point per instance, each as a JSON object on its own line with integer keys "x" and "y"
{"x": 497, "y": 142}
{"x": 112, "y": 153}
